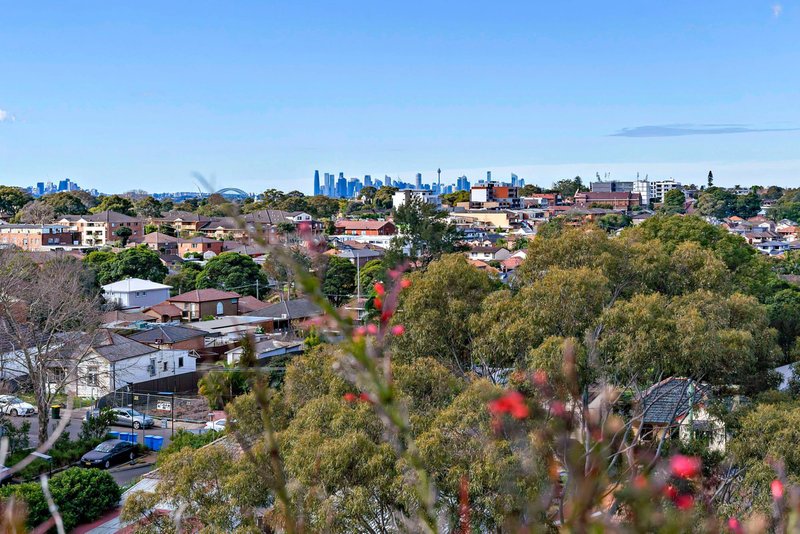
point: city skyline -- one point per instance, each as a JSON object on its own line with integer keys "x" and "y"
{"x": 260, "y": 95}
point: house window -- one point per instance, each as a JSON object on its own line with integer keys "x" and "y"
{"x": 152, "y": 367}
{"x": 57, "y": 374}
{"x": 220, "y": 309}
{"x": 165, "y": 367}
{"x": 91, "y": 376}
{"x": 180, "y": 361}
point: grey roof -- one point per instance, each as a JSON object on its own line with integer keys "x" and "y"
{"x": 669, "y": 400}
{"x": 292, "y": 309}
{"x": 114, "y": 347}
{"x": 109, "y": 216}
{"x": 166, "y": 334}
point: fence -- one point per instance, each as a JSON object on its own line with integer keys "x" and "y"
{"x": 160, "y": 406}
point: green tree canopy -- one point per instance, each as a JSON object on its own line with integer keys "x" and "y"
{"x": 12, "y": 199}
{"x": 114, "y": 203}
{"x": 232, "y": 271}
{"x": 136, "y": 262}
{"x": 339, "y": 282}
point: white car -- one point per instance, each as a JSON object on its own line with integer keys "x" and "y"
{"x": 218, "y": 425}
{"x": 14, "y": 406}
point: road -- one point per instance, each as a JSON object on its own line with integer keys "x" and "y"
{"x": 76, "y": 420}
{"x": 121, "y": 474}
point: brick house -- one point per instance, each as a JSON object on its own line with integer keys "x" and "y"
{"x": 617, "y": 200}
{"x": 195, "y": 305}
{"x": 38, "y": 236}
{"x": 366, "y": 227}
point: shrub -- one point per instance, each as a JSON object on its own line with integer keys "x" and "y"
{"x": 183, "y": 439}
{"x": 82, "y": 495}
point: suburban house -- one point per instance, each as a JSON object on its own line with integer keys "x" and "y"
{"x": 113, "y": 361}
{"x": 38, "y": 236}
{"x": 184, "y": 222}
{"x": 161, "y": 243}
{"x": 164, "y": 312}
{"x": 200, "y": 303}
{"x": 124, "y": 320}
{"x": 200, "y": 245}
{"x": 677, "y": 407}
{"x": 365, "y": 227}
{"x": 171, "y": 337}
{"x": 617, "y": 200}
{"x": 267, "y": 349}
{"x": 136, "y": 293}
{"x": 249, "y": 303}
{"x": 287, "y": 313}
{"x": 773, "y": 248}
{"x": 488, "y": 253}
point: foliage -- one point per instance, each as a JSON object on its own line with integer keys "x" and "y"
{"x": 232, "y": 271}
{"x": 148, "y": 207}
{"x": 137, "y": 262}
{"x": 12, "y": 199}
{"x": 123, "y": 233}
{"x": 436, "y": 308}
{"x": 339, "y": 283}
{"x": 36, "y": 212}
{"x": 96, "y": 427}
{"x": 18, "y": 439}
{"x": 455, "y": 197}
{"x": 185, "y": 279}
{"x": 114, "y": 203}
{"x": 69, "y": 203}
{"x": 82, "y": 495}
{"x": 568, "y": 187}
{"x": 424, "y": 231}
{"x": 613, "y": 221}
{"x": 674, "y": 201}
{"x": 184, "y": 439}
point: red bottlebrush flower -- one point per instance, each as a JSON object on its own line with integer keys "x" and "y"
{"x": 360, "y": 331}
{"x": 386, "y": 315}
{"x": 379, "y": 289}
{"x": 640, "y": 482}
{"x": 557, "y": 407}
{"x": 405, "y": 283}
{"x": 684, "y": 466}
{"x": 363, "y": 397}
{"x": 684, "y": 501}
{"x": 304, "y": 227}
{"x": 670, "y": 492}
{"x": 734, "y": 525}
{"x": 378, "y": 303}
{"x": 349, "y": 397}
{"x": 394, "y": 273}
{"x": 398, "y": 330}
{"x": 372, "y": 329}
{"x": 512, "y": 403}
{"x": 776, "y": 487}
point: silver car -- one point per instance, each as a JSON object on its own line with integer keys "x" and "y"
{"x": 131, "y": 418}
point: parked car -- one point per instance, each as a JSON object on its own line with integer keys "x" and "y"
{"x": 130, "y": 418}
{"x": 14, "y": 406}
{"x": 218, "y": 425}
{"x": 108, "y": 453}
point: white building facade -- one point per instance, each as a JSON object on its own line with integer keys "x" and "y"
{"x": 136, "y": 293}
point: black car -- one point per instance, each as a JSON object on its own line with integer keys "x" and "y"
{"x": 108, "y": 453}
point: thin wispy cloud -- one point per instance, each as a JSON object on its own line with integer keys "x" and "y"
{"x": 5, "y": 116}
{"x": 777, "y": 10}
{"x": 674, "y": 130}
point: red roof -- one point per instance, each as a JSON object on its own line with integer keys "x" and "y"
{"x": 204, "y": 295}
{"x": 361, "y": 225}
{"x": 165, "y": 308}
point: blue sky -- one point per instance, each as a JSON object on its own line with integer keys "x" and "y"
{"x": 259, "y": 94}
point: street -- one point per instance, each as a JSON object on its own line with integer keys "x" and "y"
{"x": 76, "y": 420}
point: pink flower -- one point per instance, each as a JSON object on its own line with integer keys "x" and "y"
{"x": 398, "y": 330}
{"x": 372, "y": 329}
{"x": 360, "y": 331}
{"x": 349, "y": 397}
{"x": 557, "y": 407}
{"x": 684, "y": 466}
{"x": 540, "y": 377}
{"x": 776, "y": 487}
{"x": 379, "y": 289}
{"x": 512, "y": 403}
{"x": 684, "y": 501}
{"x": 734, "y": 525}
{"x": 405, "y": 283}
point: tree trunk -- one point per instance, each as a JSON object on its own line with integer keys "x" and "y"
{"x": 44, "y": 418}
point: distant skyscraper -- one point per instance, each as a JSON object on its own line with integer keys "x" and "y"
{"x": 488, "y": 176}
{"x": 40, "y": 188}
{"x": 514, "y": 179}
{"x": 341, "y": 186}
{"x": 317, "y": 190}
{"x": 387, "y": 180}
{"x": 367, "y": 180}
{"x": 330, "y": 185}
{"x": 418, "y": 183}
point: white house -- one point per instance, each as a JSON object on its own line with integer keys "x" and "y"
{"x": 114, "y": 362}
{"x": 266, "y": 349}
{"x": 136, "y": 293}
{"x": 488, "y": 253}
{"x": 405, "y": 195}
